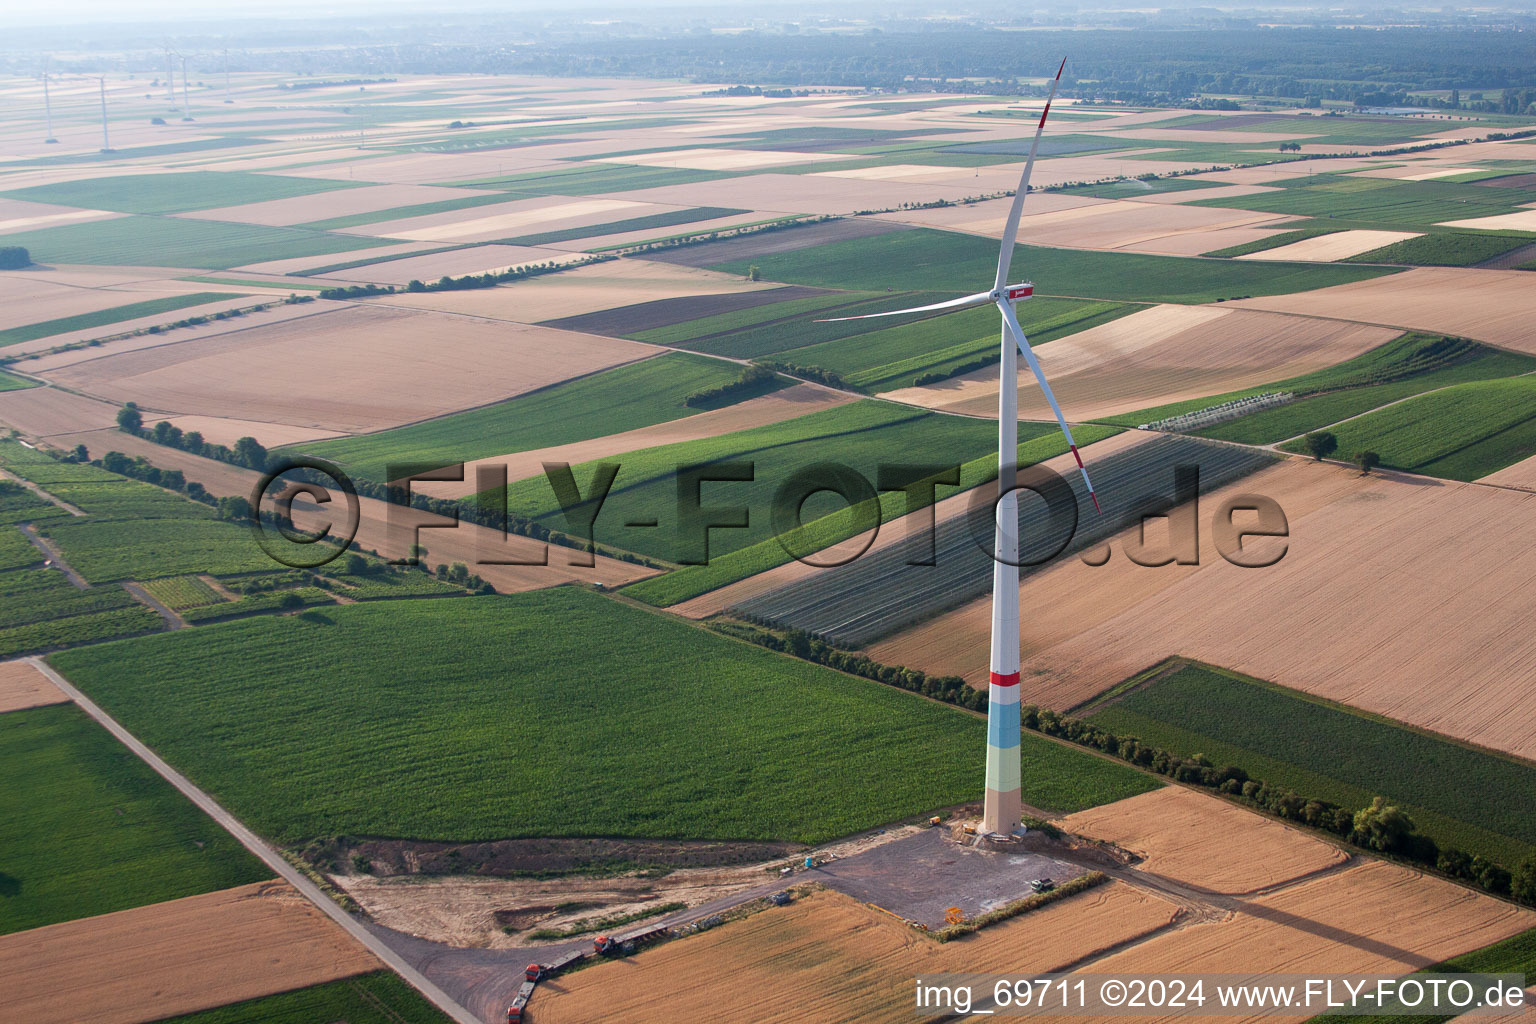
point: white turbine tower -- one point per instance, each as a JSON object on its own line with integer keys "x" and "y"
{"x": 1002, "y": 809}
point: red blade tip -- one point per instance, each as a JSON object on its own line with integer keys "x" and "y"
{"x": 1059, "y": 70}
{"x": 1095, "y": 498}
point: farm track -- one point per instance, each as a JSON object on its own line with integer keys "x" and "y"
{"x": 268, "y": 856}
{"x": 35, "y": 489}
{"x": 47, "y": 548}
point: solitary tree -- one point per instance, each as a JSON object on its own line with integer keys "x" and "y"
{"x": 1321, "y": 444}
{"x": 754, "y": 273}
{"x": 129, "y": 418}
{"x": 82, "y": 454}
{"x": 14, "y": 257}
{"x": 290, "y": 600}
{"x": 1367, "y": 461}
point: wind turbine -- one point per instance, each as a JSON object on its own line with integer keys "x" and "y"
{"x": 47, "y": 104}
{"x": 1002, "y": 809}
{"x": 106, "y": 143}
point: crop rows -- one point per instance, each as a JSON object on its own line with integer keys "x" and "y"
{"x": 59, "y": 600}
{"x": 133, "y": 549}
{"x": 379, "y": 998}
{"x": 79, "y": 629}
{"x": 947, "y": 261}
{"x": 1459, "y": 795}
{"x": 106, "y": 317}
{"x": 182, "y": 592}
{"x": 1464, "y": 432}
{"x": 15, "y": 550}
{"x": 881, "y": 592}
{"x": 637, "y": 745}
{"x": 266, "y": 601}
{"x": 90, "y": 829}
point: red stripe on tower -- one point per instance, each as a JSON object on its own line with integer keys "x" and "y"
{"x": 1011, "y": 679}
{"x": 1076, "y": 456}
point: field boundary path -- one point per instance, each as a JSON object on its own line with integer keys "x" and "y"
{"x": 269, "y": 856}
{"x": 29, "y": 485}
{"x": 30, "y": 532}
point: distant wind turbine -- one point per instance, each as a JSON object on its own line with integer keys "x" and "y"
{"x": 47, "y": 104}
{"x": 106, "y": 143}
{"x": 186, "y": 100}
{"x": 1002, "y": 809}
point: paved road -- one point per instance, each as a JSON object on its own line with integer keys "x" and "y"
{"x": 270, "y": 857}
{"x": 30, "y": 532}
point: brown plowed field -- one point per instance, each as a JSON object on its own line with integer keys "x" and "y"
{"x": 584, "y": 290}
{"x": 353, "y": 369}
{"x": 781, "y": 405}
{"x": 1094, "y": 224}
{"x": 23, "y": 686}
{"x": 41, "y": 412}
{"x": 480, "y": 259}
{"x": 1521, "y": 474}
{"x": 1373, "y": 918}
{"x": 1205, "y": 840}
{"x": 175, "y": 958}
{"x": 1160, "y": 355}
{"x": 339, "y": 203}
{"x": 1458, "y": 658}
{"x": 829, "y": 958}
{"x": 1339, "y": 245}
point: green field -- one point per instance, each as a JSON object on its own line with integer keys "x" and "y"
{"x": 946, "y": 261}
{"x": 181, "y": 192}
{"x": 555, "y": 713}
{"x": 1406, "y": 366}
{"x": 86, "y": 828}
{"x": 175, "y": 242}
{"x": 1380, "y": 202}
{"x": 882, "y": 360}
{"x": 625, "y": 398}
{"x": 15, "y": 550}
{"x": 597, "y": 178}
{"x": 11, "y": 382}
{"x": 107, "y": 317}
{"x": 353, "y": 220}
{"x": 655, "y": 220}
{"x": 181, "y": 592}
{"x": 1037, "y": 442}
{"x": 105, "y": 550}
{"x": 1275, "y": 241}
{"x": 379, "y": 998}
{"x": 1130, "y": 188}
{"x": 1445, "y": 249}
{"x": 861, "y": 435}
{"x": 776, "y": 326}
{"x": 1459, "y": 795}
{"x": 1462, "y": 432}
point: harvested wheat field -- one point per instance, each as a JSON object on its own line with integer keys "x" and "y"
{"x": 174, "y": 958}
{"x": 729, "y": 159}
{"x": 519, "y": 216}
{"x": 1486, "y": 305}
{"x": 829, "y": 958}
{"x": 22, "y": 215}
{"x": 797, "y": 193}
{"x": 30, "y": 299}
{"x": 1522, "y": 474}
{"x": 1521, "y": 220}
{"x": 1338, "y": 246}
{"x": 1202, "y": 839}
{"x": 1091, "y": 224}
{"x": 44, "y": 360}
{"x": 301, "y": 264}
{"x": 23, "y": 686}
{"x": 1371, "y": 918}
{"x": 597, "y": 243}
{"x": 1201, "y": 242}
{"x": 1070, "y": 597}
{"x": 226, "y": 431}
{"x": 479, "y": 259}
{"x": 1168, "y": 353}
{"x": 894, "y": 532}
{"x": 40, "y": 412}
{"x": 589, "y": 289}
{"x": 1460, "y": 658}
{"x": 352, "y": 369}
{"x": 339, "y": 203}
{"x": 756, "y": 412}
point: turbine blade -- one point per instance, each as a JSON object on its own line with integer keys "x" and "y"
{"x": 1034, "y": 367}
{"x": 1011, "y": 228}
{"x": 979, "y": 299}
